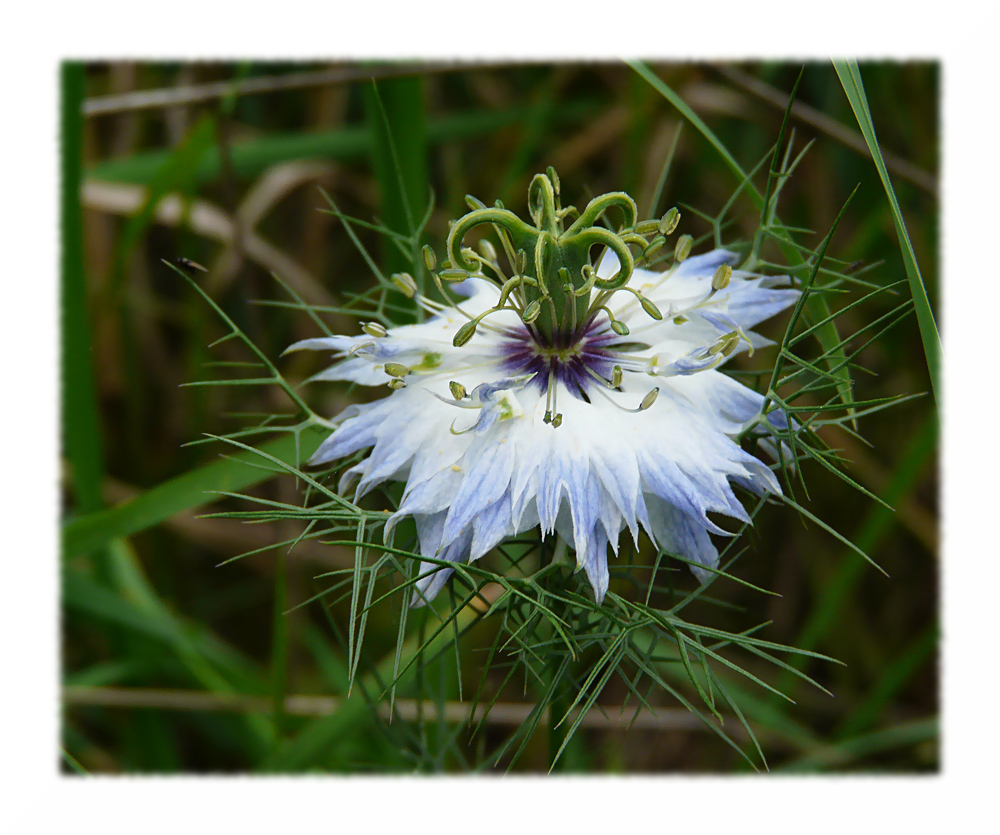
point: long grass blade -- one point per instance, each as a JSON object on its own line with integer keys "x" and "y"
{"x": 850, "y": 77}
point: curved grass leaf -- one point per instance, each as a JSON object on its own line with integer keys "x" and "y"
{"x": 850, "y": 78}
{"x": 192, "y": 489}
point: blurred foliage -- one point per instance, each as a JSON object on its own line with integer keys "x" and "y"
{"x": 173, "y": 663}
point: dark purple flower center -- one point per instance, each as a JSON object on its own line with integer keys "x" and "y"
{"x": 571, "y": 358}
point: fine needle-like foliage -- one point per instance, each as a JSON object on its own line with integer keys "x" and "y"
{"x": 540, "y": 629}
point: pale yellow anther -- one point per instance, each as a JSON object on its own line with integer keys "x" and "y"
{"x": 648, "y": 400}
{"x": 430, "y": 259}
{"x": 683, "y": 248}
{"x": 465, "y": 333}
{"x": 405, "y": 284}
{"x": 726, "y": 344}
{"x": 668, "y": 223}
{"x": 722, "y": 276}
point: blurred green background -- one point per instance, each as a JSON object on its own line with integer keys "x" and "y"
{"x": 172, "y": 663}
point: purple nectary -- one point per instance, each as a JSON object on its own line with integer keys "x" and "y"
{"x": 526, "y": 351}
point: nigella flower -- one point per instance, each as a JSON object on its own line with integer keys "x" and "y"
{"x": 576, "y": 398}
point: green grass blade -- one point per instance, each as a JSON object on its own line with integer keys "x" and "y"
{"x": 846, "y": 754}
{"x": 850, "y": 78}
{"x": 399, "y": 156}
{"x": 251, "y": 158}
{"x": 893, "y": 677}
{"x": 175, "y": 175}
{"x": 80, "y": 419}
{"x": 192, "y": 489}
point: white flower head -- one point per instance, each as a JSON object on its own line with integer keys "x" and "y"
{"x": 578, "y": 399}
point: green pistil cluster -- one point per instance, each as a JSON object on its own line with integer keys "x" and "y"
{"x": 554, "y": 287}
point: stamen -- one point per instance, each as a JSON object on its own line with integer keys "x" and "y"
{"x": 646, "y": 402}
{"x": 668, "y": 223}
{"x": 515, "y": 283}
{"x": 654, "y": 246}
{"x": 396, "y": 369}
{"x": 726, "y": 344}
{"x": 721, "y": 278}
{"x": 405, "y": 284}
{"x": 460, "y": 431}
{"x": 650, "y": 308}
{"x": 430, "y": 259}
{"x": 465, "y": 333}
{"x": 550, "y": 398}
{"x": 374, "y": 329}
{"x": 458, "y": 390}
{"x": 619, "y": 328}
{"x": 611, "y": 384}
{"x": 647, "y": 227}
{"x": 683, "y": 248}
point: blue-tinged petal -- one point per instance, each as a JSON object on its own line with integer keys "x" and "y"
{"x": 491, "y": 527}
{"x": 431, "y": 576}
{"x": 677, "y": 532}
{"x": 551, "y": 480}
{"x": 705, "y": 265}
{"x": 752, "y": 299}
{"x": 758, "y": 478}
{"x": 595, "y": 564}
{"x": 427, "y": 497}
{"x": 613, "y": 459}
{"x": 357, "y": 430}
{"x": 715, "y": 486}
{"x": 584, "y": 501}
{"x": 398, "y": 439}
{"x": 662, "y": 477}
{"x": 334, "y": 344}
{"x": 487, "y": 470}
